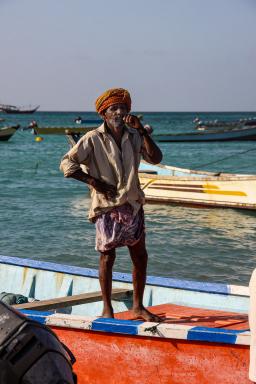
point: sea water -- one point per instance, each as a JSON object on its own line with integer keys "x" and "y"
{"x": 44, "y": 216}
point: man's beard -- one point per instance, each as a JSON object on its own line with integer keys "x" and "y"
{"x": 117, "y": 122}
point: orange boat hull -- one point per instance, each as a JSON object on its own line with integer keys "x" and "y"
{"x": 107, "y": 358}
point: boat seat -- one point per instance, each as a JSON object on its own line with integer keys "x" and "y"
{"x": 70, "y": 301}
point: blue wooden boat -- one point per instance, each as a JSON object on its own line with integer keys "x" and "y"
{"x": 244, "y": 133}
{"x": 204, "y": 337}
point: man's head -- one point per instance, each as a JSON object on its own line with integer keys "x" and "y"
{"x": 113, "y": 105}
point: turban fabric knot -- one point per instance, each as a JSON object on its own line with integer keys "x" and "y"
{"x": 111, "y": 97}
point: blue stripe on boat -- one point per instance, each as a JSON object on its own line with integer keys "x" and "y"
{"x": 39, "y": 316}
{"x": 122, "y": 277}
{"x": 188, "y": 285}
{"x": 227, "y": 336}
{"x": 129, "y": 327}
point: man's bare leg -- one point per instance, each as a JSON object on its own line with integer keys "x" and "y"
{"x": 107, "y": 260}
{"x": 139, "y": 258}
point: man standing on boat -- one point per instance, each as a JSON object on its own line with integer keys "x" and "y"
{"x": 110, "y": 156}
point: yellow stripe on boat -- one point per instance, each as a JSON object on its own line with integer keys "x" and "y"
{"x": 214, "y": 189}
{"x": 148, "y": 183}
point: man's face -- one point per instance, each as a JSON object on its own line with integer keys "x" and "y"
{"x": 115, "y": 114}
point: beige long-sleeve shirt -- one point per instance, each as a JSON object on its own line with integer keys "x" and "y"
{"x": 99, "y": 156}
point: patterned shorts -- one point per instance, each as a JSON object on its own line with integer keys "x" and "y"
{"x": 118, "y": 228}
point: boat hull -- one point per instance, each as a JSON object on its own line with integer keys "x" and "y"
{"x": 225, "y": 135}
{"x": 62, "y": 130}
{"x": 27, "y": 277}
{"x": 20, "y": 112}
{"x": 195, "y": 345}
{"x": 15, "y": 110}
{"x": 7, "y": 132}
{"x": 105, "y": 358}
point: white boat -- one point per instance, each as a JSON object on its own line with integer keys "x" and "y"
{"x": 167, "y": 184}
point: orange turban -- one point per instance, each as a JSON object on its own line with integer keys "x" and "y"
{"x": 111, "y": 97}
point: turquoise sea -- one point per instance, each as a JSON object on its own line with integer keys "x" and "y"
{"x": 44, "y": 216}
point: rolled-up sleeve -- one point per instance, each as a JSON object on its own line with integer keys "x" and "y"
{"x": 77, "y": 155}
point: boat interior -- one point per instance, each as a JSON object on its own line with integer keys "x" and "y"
{"x": 195, "y": 317}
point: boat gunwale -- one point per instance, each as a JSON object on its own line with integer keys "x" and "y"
{"x": 221, "y": 177}
{"x": 159, "y": 281}
{"x": 142, "y": 329}
{"x": 213, "y": 175}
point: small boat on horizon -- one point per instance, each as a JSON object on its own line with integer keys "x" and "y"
{"x": 7, "y": 132}
{"x": 79, "y": 120}
{"x": 12, "y": 109}
{"x": 203, "y": 338}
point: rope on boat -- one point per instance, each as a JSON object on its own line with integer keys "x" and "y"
{"x": 224, "y": 158}
{"x": 147, "y": 184}
{"x": 154, "y": 330}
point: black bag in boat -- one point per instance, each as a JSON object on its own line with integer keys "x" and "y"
{"x": 12, "y": 298}
{"x": 30, "y": 353}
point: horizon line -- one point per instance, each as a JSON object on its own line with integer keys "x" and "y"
{"x": 141, "y": 111}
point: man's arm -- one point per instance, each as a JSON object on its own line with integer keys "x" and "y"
{"x": 109, "y": 191}
{"x": 154, "y": 153}
{"x": 71, "y": 167}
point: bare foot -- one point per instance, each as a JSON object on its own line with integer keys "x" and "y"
{"x": 146, "y": 315}
{"x": 108, "y": 313}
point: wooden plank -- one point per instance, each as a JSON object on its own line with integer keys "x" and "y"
{"x": 70, "y": 301}
{"x": 72, "y": 139}
{"x": 62, "y": 130}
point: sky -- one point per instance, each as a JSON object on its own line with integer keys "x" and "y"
{"x": 172, "y": 55}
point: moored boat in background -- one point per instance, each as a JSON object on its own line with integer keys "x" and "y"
{"x": 203, "y": 336}
{"x": 7, "y": 132}
{"x": 61, "y": 130}
{"x": 12, "y": 109}
{"x": 238, "y": 133}
{"x": 167, "y": 184}
{"x": 224, "y": 124}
